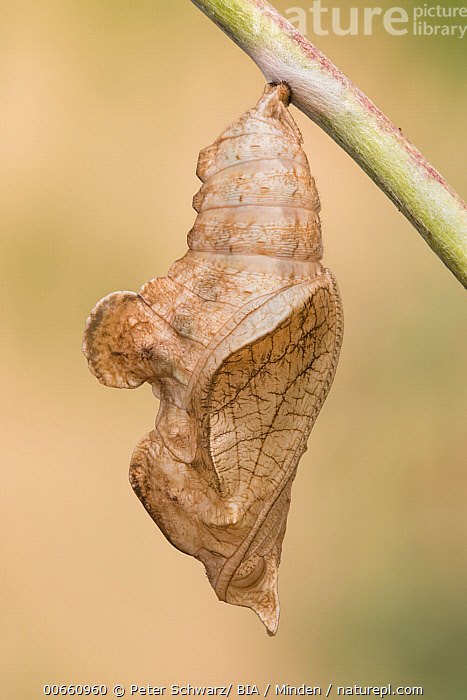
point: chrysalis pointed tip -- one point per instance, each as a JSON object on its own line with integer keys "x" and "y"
{"x": 272, "y": 624}
{"x": 257, "y": 590}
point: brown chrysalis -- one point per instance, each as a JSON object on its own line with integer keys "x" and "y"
{"x": 240, "y": 343}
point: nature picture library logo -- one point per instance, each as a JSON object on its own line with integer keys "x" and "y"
{"x": 422, "y": 20}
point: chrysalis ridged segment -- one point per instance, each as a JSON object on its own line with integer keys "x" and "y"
{"x": 258, "y": 195}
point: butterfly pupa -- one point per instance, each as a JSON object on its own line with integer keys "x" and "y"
{"x": 240, "y": 342}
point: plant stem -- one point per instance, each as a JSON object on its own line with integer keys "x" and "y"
{"x": 331, "y": 100}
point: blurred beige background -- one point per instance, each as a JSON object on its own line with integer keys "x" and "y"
{"x": 104, "y": 107}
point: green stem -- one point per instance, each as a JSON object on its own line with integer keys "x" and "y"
{"x": 331, "y": 100}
